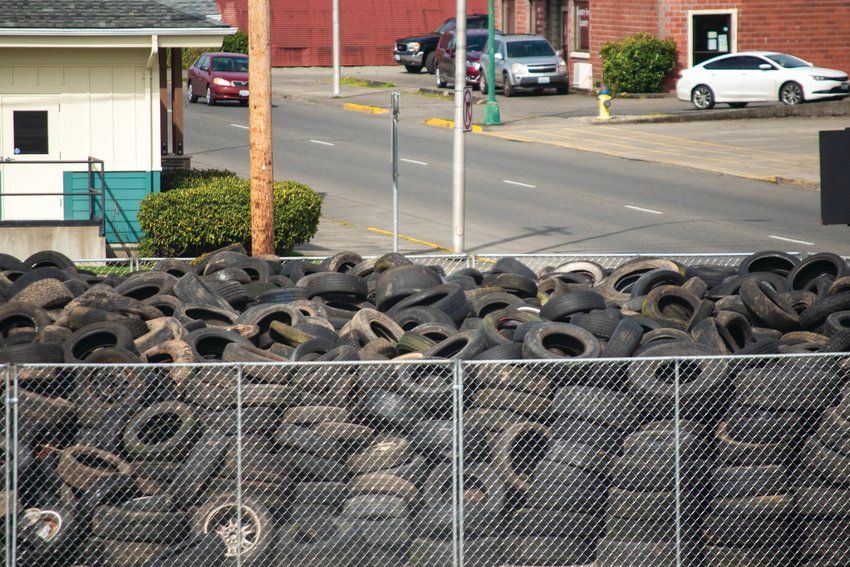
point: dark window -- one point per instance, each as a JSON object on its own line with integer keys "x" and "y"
{"x": 582, "y": 25}
{"x": 728, "y": 64}
{"x": 30, "y": 128}
{"x": 751, "y": 63}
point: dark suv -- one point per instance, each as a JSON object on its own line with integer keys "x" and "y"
{"x": 418, "y": 51}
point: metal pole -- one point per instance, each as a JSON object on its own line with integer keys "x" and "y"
{"x": 457, "y": 465}
{"x": 676, "y": 414}
{"x": 394, "y": 97}
{"x": 459, "y": 168}
{"x": 491, "y": 110}
{"x": 239, "y": 466}
{"x": 336, "y": 45}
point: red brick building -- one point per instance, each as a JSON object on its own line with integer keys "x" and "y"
{"x": 816, "y": 30}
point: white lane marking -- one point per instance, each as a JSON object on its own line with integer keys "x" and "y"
{"x": 782, "y": 238}
{"x": 241, "y": 126}
{"x": 322, "y": 143}
{"x": 641, "y": 209}
{"x": 509, "y": 182}
{"x": 414, "y": 161}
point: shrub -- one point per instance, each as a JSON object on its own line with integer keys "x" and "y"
{"x": 637, "y": 63}
{"x": 236, "y": 43}
{"x": 212, "y": 211}
{"x": 179, "y": 178}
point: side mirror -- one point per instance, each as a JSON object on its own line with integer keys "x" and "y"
{"x": 450, "y": 52}
{"x": 497, "y": 55}
{"x": 766, "y": 67}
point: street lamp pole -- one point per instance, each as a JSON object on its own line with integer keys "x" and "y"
{"x": 491, "y": 109}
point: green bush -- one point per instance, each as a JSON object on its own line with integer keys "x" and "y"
{"x": 212, "y": 211}
{"x": 637, "y": 63}
{"x": 236, "y": 43}
{"x": 181, "y": 178}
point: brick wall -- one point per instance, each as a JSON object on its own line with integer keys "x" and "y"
{"x": 816, "y": 30}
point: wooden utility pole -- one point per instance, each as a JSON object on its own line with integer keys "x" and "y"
{"x": 260, "y": 120}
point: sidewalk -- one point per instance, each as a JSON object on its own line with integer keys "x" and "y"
{"x": 764, "y": 142}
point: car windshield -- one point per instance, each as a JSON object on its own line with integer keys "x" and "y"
{"x": 476, "y": 43}
{"x": 231, "y": 64}
{"x": 787, "y": 61}
{"x": 530, "y": 48}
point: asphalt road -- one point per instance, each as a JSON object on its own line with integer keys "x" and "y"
{"x": 520, "y": 197}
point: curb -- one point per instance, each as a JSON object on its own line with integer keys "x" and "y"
{"x": 364, "y": 108}
{"x": 443, "y": 123}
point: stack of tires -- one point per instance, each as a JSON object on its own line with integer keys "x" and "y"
{"x": 168, "y": 424}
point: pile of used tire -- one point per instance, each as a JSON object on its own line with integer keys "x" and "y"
{"x": 128, "y": 452}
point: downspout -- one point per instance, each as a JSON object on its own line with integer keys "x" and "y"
{"x": 154, "y": 55}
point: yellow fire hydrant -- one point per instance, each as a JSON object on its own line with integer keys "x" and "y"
{"x": 604, "y": 98}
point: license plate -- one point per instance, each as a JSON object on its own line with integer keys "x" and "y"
{"x": 243, "y": 93}
{"x": 543, "y": 80}
{"x": 397, "y": 57}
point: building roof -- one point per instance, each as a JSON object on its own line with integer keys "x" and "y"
{"x": 108, "y": 14}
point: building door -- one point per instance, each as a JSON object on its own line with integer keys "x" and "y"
{"x": 711, "y": 36}
{"x": 29, "y": 132}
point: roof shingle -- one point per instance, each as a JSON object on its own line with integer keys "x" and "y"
{"x": 106, "y": 14}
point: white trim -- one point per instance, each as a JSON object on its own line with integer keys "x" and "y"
{"x": 579, "y": 55}
{"x": 733, "y": 24}
{"x": 108, "y": 32}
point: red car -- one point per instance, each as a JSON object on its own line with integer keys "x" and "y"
{"x": 219, "y": 76}
{"x": 476, "y": 40}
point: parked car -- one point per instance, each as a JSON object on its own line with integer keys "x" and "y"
{"x": 524, "y": 62}
{"x": 418, "y": 51}
{"x": 219, "y": 76}
{"x": 476, "y": 41}
{"x": 758, "y": 76}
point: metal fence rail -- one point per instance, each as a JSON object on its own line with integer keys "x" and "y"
{"x": 693, "y": 461}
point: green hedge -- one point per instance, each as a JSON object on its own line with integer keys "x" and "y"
{"x": 638, "y": 63}
{"x": 211, "y": 209}
{"x": 236, "y": 43}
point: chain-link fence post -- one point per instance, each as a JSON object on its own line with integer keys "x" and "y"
{"x": 677, "y": 459}
{"x": 239, "y": 373}
{"x": 457, "y": 463}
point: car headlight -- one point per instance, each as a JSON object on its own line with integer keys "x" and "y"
{"x": 221, "y": 82}
{"x": 562, "y": 66}
{"x": 413, "y": 46}
{"x": 819, "y": 78}
{"x": 518, "y": 69}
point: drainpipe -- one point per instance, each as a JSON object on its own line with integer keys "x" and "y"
{"x": 154, "y": 55}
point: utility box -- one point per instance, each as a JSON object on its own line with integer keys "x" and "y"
{"x": 835, "y": 176}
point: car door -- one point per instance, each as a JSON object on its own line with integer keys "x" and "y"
{"x": 196, "y": 78}
{"x": 724, "y": 78}
{"x": 499, "y": 53}
{"x": 765, "y": 79}
{"x": 754, "y": 83}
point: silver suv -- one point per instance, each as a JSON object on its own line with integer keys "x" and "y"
{"x": 524, "y": 61}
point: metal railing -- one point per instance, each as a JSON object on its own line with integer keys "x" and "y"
{"x": 96, "y": 185}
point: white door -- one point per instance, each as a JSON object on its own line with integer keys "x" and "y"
{"x": 29, "y": 132}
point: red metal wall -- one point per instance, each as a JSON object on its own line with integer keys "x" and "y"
{"x": 301, "y": 32}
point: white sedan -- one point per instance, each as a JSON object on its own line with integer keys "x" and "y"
{"x": 758, "y": 76}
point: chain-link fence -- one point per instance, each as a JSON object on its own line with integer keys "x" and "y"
{"x": 696, "y": 461}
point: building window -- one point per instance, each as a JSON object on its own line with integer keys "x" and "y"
{"x": 30, "y": 131}
{"x": 581, "y": 33}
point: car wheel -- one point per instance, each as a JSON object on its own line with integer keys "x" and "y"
{"x": 483, "y": 84}
{"x": 441, "y": 84}
{"x": 737, "y": 105}
{"x": 209, "y": 97}
{"x": 413, "y": 68}
{"x": 702, "y": 97}
{"x": 192, "y": 96}
{"x": 506, "y": 82}
{"x": 791, "y": 93}
{"x": 431, "y": 62}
